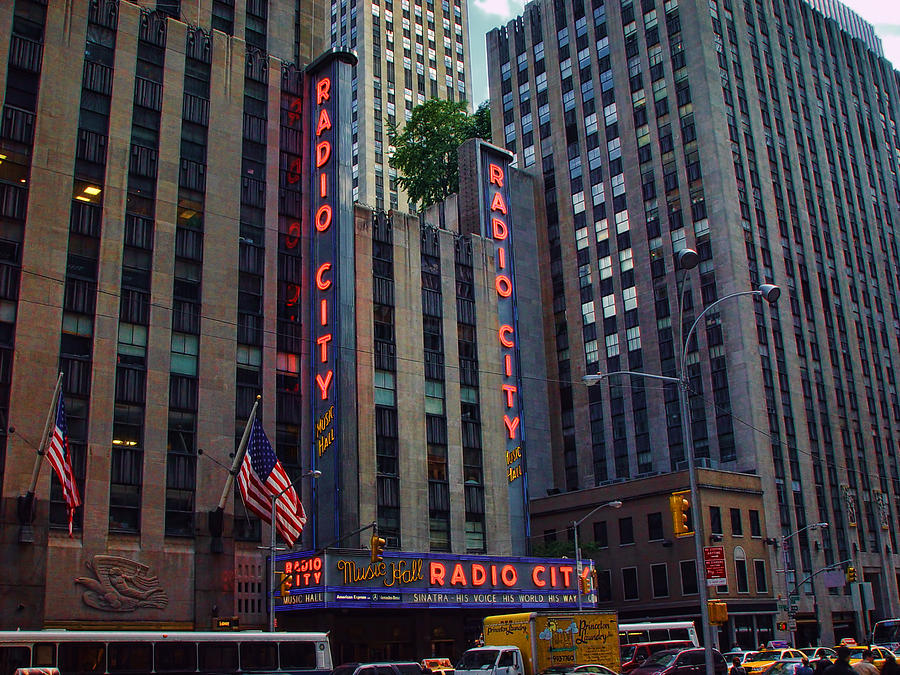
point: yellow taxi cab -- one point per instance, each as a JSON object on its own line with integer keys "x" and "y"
{"x": 762, "y": 660}
{"x": 438, "y": 666}
{"x": 856, "y": 654}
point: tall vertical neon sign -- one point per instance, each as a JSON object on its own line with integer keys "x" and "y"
{"x": 497, "y": 226}
{"x": 330, "y": 288}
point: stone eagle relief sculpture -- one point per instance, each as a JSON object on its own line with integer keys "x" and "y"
{"x": 121, "y": 585}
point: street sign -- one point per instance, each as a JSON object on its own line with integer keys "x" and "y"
{"x": 714, "y": 562}
{"x": 791, "y": 624}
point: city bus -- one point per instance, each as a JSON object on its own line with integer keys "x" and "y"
{"x": 657, "y": 631}
{"x": 74, "y": 652}
{"x": 887, "y": 633}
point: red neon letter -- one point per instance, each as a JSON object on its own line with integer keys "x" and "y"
{"x": 503, "y": 286}
{"x": 323, "y": 90}
{"x": 497, "y": 203}
{"x": 323, "y": 384}
{"x": 293, "y": 174}
{"x": 479, "y": 574}
{"x": 459, "y": 577}
{"x": 496, "y": 174}
{"x": 501, "y": 258}
{"x": 436, "y": 572}
{"x": 566, "y": 573}
{"x": 322, "y": 283}
{"x": 325, "y": 123}
{"x": 504, "y": 331}
{"x": 294, "y": 113}
{"x": 323, "y": 341}
{"x": 323, "y": 218}
{"x": 508, "y": 575}
{"x": 511, "y": 425}
{"x": 509, "y": 389}
{"x": 323, "y": 185}
{"x": 507, "y": 364}
{"x": 323, "y": 152}
{"x": 323, "y": 312}
{"x": 500, "y": 231}
{"x": 537, "y": 573}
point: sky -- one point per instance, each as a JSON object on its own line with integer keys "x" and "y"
{"x": 485, "y": 15}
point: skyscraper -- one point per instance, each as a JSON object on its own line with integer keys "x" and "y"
{"x": 409, "y": 51}
{"x": 764, "y": 137}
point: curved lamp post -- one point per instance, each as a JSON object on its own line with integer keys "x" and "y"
{"x": 615, "y": 504}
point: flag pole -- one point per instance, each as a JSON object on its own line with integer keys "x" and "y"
{"x": 25, "y": 502}
{"x": 41, "y": 451}
{"x": 217, "y": 516}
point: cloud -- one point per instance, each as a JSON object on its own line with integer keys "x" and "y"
{"x": 506, "y": 9}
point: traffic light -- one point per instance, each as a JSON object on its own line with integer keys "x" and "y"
{"x": 718, "y": 611}
{"x": 851, "y": 574}
{"x": 681, "y": 511}
{"x": 781, "y": 625}
{"x": 584, "y": 583}
{"x": 377, "y": 545}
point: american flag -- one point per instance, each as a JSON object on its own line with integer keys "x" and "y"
{"x": 261, "y": 478}
{"x": 58, "y": 456}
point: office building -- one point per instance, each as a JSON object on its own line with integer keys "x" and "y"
{"x": 179, "y": 238}
{"x": 409, "y": 51}
{"x": 764, "y": 137}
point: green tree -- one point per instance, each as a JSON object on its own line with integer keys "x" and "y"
{"x": 425, "y": 149}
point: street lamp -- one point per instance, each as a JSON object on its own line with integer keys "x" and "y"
{"x": 615, "y": 504}
{"x": 312, "y": 473}
{"x": 687, "y": 259}
{"x": 789, "y": 565}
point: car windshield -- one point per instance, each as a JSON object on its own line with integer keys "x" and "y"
{"x": 767, "y": 656}
{"x": 478, "y": 659}
{"x": 857, "y": 653}
{"x": 664, "y": 659}
{"x": 626, "y": 653}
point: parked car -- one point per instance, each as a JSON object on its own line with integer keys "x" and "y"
{"x": 818, "y": 653}
{"x": 381, "y": 668}
{"x": 438, "y": 666}
{"x": 742, "y": 654}
{"x": 782, "y": 667}
{"x": 585, "y": 668}
{"x": 635, "y": 654}
{"x": 762, "y": 660}
{"x": 880, "y": 655}
{"x": 680, "y": 662}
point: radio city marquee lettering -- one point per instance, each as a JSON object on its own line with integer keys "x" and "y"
{"x": 497, "y": 217}
{"x": 414, "y": 580}
{"x": 322, "y": 201}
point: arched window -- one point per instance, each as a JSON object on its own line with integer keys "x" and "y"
{"x": 740, "y": 570}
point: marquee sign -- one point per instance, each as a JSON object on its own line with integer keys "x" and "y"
{"x": 496, "y": 225}
{"x": 338, "y": 578}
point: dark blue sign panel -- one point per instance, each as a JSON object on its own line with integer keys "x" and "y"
{"x": 350, "y": 579}
{"x": 497, "y": 225}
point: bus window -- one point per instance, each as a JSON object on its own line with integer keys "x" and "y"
{"x": 259, "y": 656}
{"x": 659, "y": 635}
{"x": 12, "y": 658}
{"x": 218, "y": 657}
{"x": 80, "y": 658}
{"x": 680, "y": 634}
{"x": 176, "y": 657}
{"x": 43, "y": 654}
{"x": 298, "y": 655}
{"x": 130, "y": 657}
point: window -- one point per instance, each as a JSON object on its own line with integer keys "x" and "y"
{"x": 689, "y": 577}
{"x": 659, "y": 575}
{"x": 755, "y": 528}
{"x": 630, "y": 582}
{"x": 654, "y": 526}
{"x": 434, "y": 397}
{"x": 384, "y": 388}
{"x": 740, "y": 570}
{"x": 715, "y": 520}
{"x": 759, "y": 568}
{"x": 604, "y": 586}
{"x": 626, "y": 531}
{"x": 600, "y": 536}
{"x": 737, "y": 527}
